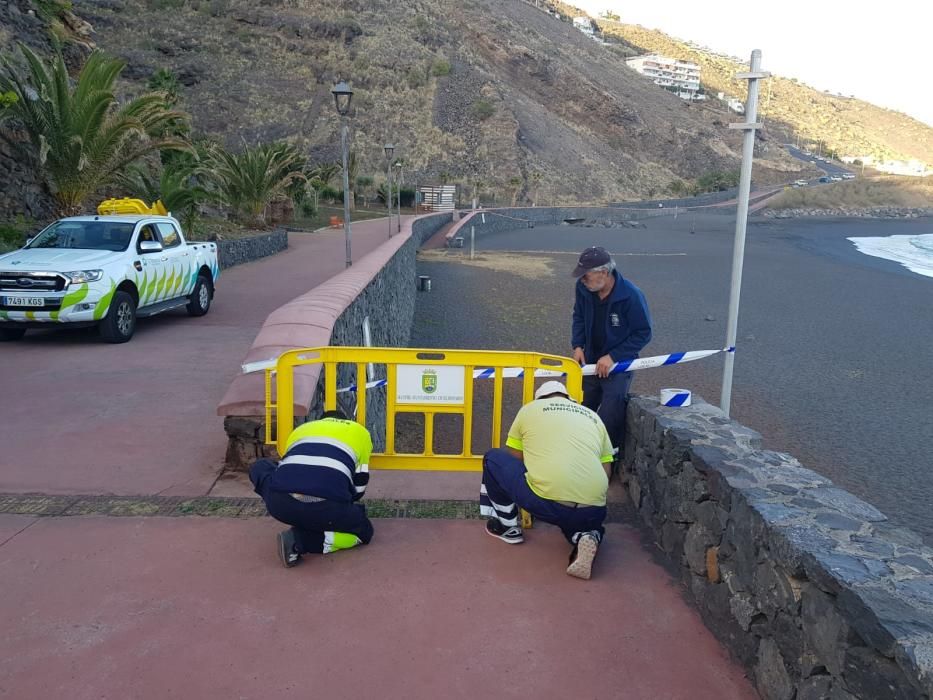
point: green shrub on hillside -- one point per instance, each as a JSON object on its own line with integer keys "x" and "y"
{"x": 440, "y": 68}
{"x": 717, "y": 181}
{"x": 7, "y": 99}
{"x": 13, "y": 234}
{"x": 415, "y": 78}
{"x": 52, "y": 9}
{"x": 483, "y": 109}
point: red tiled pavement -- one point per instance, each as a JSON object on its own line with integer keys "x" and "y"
{"x": 201, "y": 608}
{"x": 81, "y": 416}
{"x": 144, "y": 608}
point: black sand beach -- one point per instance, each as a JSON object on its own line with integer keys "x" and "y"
{"x": 835, "y": 348}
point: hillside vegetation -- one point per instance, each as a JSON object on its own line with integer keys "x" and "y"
{"x": 492, "y": 95}
{"x": 883, "y": 191}
{"x": 846, "y": 125}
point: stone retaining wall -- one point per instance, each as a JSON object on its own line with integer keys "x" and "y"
{"x": 389, "y": 302}
{"x": 866, "y": 212}
{"x": 387, "y": 297}
{"x": 490, "y": 221}
{"x": 236, "y": 251}
{"x": 22, "y": 192}
{"x": 802, "y": 581}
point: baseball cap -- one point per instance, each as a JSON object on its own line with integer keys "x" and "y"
{"x": 552, "y": 387}
{"x": 593, "y": 256}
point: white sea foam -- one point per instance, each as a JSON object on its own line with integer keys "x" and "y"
{"x": 913, "y": 252}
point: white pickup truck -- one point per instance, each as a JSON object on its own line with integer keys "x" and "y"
{"x": 105, "y": 270}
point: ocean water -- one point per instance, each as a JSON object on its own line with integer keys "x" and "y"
{"x": 913, "y": 252}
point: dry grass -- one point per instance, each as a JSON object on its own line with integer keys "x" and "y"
{"x": 527, "y": 266}
{"x": 907, "y": 192}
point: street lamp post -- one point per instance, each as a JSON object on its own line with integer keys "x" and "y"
{"x": 389, "y": 149}
{"x": 398, "y": 188}
{"x": 342, "y": 97}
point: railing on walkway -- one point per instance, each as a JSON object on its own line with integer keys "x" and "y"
{"x": 429, "y": 382}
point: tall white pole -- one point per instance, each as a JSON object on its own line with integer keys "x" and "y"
{"x": 741, "y": 219}
{"x": 346, "y": 193}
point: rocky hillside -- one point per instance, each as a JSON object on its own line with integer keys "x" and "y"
{"x": 488, "y": 92}
{"x": 844, "y": 124}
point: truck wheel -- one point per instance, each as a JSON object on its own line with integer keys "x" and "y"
{"x": 199, "y": 301}
{"x": 120, "y": 322}
{"x": 11, "y": 333}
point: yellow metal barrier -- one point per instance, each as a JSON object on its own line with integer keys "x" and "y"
{"x": 418, "y": 381}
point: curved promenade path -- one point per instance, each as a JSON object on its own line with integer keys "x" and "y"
{"x": 146, "y": 606}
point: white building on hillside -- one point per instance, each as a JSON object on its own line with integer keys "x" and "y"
{"x": 584, "y": 24}
{"x": 682, "y": 77}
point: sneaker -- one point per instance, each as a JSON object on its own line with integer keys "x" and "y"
{"x": 509, "y": 534}
{"x": 286, "y": 548}
{"x": 581, "y": 561}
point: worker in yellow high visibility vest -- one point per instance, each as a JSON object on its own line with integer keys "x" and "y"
{"x": 316, "y": 487}
{"x": 556, "y": 467}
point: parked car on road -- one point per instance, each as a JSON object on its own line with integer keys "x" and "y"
{"x": 800, "y": 183}
{"x": 848, "y": 176}
{"x": 105, "y": 270}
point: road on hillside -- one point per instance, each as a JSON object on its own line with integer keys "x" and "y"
{"x": 827, "y": 166}
{"x": 833, "y": 361}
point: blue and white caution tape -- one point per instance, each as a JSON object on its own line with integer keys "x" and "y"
{"x": 626, "y": 366}
{"x": 675, "y": 397}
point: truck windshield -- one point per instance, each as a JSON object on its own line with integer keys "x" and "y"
{"x": 88, "y": 235}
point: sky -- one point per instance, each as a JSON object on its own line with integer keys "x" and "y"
{"x": 882, "y": 56}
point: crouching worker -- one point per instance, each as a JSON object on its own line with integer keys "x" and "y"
{"x": 316, "y": 486}
{"x": 556, "y": 467}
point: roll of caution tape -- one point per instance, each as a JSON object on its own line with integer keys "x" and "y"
{"x": 675, "y": 397}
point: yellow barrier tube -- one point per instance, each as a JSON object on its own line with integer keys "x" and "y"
{"x": 497, "y": 409}
{"x": 467, "y": 410}
{"x": 391, "y": 375}
{"x": 330, "y": 386}
{"x": 361, "y": 393}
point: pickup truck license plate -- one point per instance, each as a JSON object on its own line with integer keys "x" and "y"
{"x": 34, "y": 302}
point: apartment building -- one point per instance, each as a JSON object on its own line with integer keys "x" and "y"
{"x": 584, "y": 24}
{"x": 682, "y": 77}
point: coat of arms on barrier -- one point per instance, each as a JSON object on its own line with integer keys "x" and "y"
{"x": 429, "y": 381}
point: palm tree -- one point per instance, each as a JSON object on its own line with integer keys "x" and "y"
{"x": 324, "y": 173}
{"x": 515, "y": 183}
{"x": 79, "y": 135}
{"x": 247, "y": 182}
{"x": 176, "y": 187}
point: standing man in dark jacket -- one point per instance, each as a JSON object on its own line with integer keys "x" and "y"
{"x": 316, "y": 486}
{"x": 610, "y": 324}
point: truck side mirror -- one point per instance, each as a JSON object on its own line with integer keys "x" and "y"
{"x": 150, "y": 247}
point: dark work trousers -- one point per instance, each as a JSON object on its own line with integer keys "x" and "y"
{"x": 314, "y": 524}
{"x": 609, "y": 398}
{"x": 504, "y": 490}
